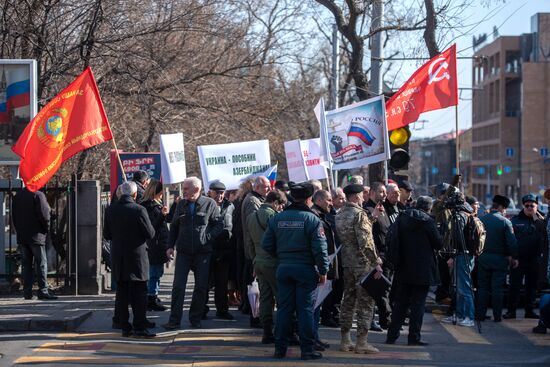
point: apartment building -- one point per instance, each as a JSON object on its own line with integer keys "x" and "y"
{"x": 511, "y": 111}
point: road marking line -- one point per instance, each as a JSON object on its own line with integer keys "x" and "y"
{"x": 525, "y": 327}
{"x": 464, "y": 334}
{"x": 101, "y": 360}
{"x": 172, "y": 362}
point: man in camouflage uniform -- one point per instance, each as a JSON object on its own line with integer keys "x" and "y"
{"x": 359, "y": 256}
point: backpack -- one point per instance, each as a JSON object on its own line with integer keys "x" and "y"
{"x": 474, "y": 235}
{"x": 393, "y": 254}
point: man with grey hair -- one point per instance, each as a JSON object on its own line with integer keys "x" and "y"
{"x": 196, "y": 224}
{"x": 251, "y": 203}
{"x": 338, "y": 199}
{"x": 128, "y": 227}
{"x": 317, "y": 185}
{"x": 393, "y": 195}
{"x": 415, "y": 268}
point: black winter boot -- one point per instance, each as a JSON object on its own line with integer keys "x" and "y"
{"x": 154, "y": 304}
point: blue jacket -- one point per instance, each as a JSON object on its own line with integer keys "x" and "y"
{"x": 500, "y": 235}
{"x": 296, "y": 236}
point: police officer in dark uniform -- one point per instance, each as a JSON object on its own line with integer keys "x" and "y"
{"x": 529, "y": 231}
{"x": 499, "y": 253}
{"x": 296, "y": 237}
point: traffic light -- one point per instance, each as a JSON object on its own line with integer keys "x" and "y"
{"x": 399, "y": 146}
{"x": 499, "y": 170}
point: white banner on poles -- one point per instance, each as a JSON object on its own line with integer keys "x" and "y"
{"x": 233, "y": 163}
{"x": 358, "y": 134}
{"x": 303, "y": 159}
{"x": 172, "y": 158}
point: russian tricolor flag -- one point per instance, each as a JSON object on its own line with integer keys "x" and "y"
{"x": 17, "y": 92}
{"x": 271, "y": 174}
{"x": 362, "y": 132}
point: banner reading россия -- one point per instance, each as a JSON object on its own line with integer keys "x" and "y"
{"x": 233, "y": 163}
{"x": 357, "y": 134}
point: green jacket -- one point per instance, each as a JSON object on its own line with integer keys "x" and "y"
{"x": 256, "y": 224}
{"x": 296, "y": 236}
{"x": 500, "y": 237}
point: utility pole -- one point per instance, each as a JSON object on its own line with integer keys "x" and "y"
{"x": 375, "y": 85}
{"x": 377, "y": 48}
{"x": 335, "y": 67}
{"x": 335, "y": 82}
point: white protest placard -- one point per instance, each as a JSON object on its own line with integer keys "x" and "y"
{"x": 172, "y": 158}
{"x": 358, "y": 134}
{"x": 304, "y": 161}
{"x": 233, "y": 163}
{"x": 311, "y": 151}
{"x": 295, "y": 164}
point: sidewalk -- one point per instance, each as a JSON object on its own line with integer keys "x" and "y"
{"x": 93, "y": 313}
{"x": 64, "y": 314}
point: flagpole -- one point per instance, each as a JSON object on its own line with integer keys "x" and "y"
{"x": 457, "y": 141}
{"x": 118, "y": 157}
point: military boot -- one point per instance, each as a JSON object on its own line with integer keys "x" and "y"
{"x": 363, "y": 347}
{"x": 346, "y": 345}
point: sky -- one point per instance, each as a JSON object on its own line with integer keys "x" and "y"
{"x": 512, "y": 18}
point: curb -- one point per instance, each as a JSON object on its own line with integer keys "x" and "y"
{"x": 64, "y": 324}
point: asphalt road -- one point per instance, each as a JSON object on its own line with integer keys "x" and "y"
{"x": 231, "y": 343}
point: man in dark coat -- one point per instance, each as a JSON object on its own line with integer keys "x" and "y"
{"x": 141, "y": 178}
{"x": 499, "y": 253}
{"x": 195, "y": 225}
{"x": 31, "y": 218}
{"x": 379, "y": 194}
{"x": 128, "y": 227}
{"x": 322, "y": 204}
{"x": 416, "y": 270}
{"x": 221, "y": 255}
{"x": 530, "y": 232}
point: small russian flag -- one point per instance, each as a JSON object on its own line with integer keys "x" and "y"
{"x": 362, "y": 132}
{"x": 271, "y": 174}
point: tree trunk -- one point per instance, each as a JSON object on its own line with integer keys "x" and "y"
{"x": 431, "y": 25}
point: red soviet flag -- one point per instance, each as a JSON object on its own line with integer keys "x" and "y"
{"x": 72, "y": 121}
{"x": 431, "y": 87}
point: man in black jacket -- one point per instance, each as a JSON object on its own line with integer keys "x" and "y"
{"x": 378, "y": 194}
{"x": 128, "y": 227}
{"x": 31, "y": 218}
{"x": 529, "y": 231}
{"x": 416, "y": 269}
{"x": 322, "y": 204}
{"x": 195, "y": 225}
{"x": 222, "y": 252}
{"x": 141, "y": 178}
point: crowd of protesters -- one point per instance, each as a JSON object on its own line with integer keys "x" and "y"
{"x": 293, "y": 238}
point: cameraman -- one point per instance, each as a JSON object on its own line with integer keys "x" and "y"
{"x": 462, "y": 260}
{"x": 442, "y": 217}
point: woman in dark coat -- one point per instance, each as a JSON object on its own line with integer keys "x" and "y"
{"x": 156, "y": 247}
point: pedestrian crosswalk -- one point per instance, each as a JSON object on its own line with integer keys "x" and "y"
{"x": 241, "y": 347}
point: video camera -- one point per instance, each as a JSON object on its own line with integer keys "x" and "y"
{"x": 455, "y": 200}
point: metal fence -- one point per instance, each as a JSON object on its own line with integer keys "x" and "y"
{"x": 58, "y": 243}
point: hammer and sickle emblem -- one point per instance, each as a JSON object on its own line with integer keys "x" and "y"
{"x": 437, "y": 76}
